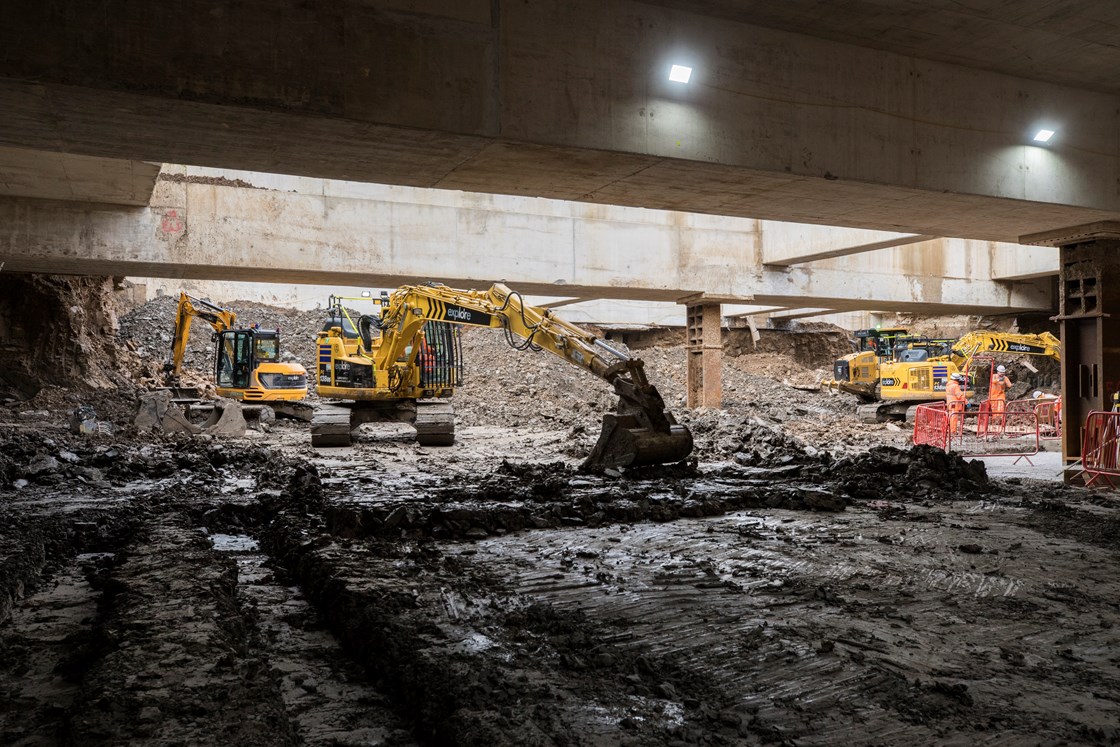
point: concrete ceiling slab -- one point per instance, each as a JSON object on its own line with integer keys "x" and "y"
{"x": 1072, "y": 42}
{"x": 65, "y": 176}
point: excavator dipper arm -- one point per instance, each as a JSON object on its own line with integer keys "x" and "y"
{"x": 641, "y": 431}
{"x": 189, "y": 308}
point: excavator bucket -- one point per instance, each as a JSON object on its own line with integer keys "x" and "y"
{"x": 626, "y": 442}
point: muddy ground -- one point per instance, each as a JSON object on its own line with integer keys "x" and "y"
{"x": 802, "y": 579}
{"x": 164, "y": 591}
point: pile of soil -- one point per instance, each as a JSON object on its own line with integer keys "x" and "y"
{"x": 885, "y": 473}
{"x": 508, "y": 387}
{"x": 31, "y": 458}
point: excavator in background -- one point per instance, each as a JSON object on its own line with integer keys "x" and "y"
{"x": 247, "y": 365}
{"x": 858, "y": 372}
{"x": 916, "y": 377}
{"x": 405, "y": 364}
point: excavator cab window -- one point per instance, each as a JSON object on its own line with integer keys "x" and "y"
{"x": 341, "y": 321}
{"x": 235, "y": 359}
{"x": 266, "y": 346}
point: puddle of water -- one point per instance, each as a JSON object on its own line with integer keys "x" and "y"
{"x": 234, "y": 543}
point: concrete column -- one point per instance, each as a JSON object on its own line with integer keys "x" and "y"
{"x": 704, "y": 350}
{"x": 1090, "y": 317}
{"x": 1089, "y": 312}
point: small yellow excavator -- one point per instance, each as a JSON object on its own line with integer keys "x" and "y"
{"x": 404, "y": 364}
{"x": 915, "y": 377}
{"x": 247, "y": 365}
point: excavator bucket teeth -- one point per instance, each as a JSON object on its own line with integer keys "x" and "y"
{"x": 624, "y": 443}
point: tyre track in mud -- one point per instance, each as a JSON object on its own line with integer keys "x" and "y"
{"x": 468, "y": 663}
{"x": 181, "y": 665}
{"x": 909, "y": 640}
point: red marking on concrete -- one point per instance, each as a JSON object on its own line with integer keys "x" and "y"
{"x": 172, "y": 223}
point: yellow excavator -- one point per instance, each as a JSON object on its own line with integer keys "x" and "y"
{"x": 858, "y": 372}
{"x": 404, "y": 365}
{"x": 916, "y": 377}
{"x": 247, "y": 365}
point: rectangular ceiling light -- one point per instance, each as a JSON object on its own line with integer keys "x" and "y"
{"x": 1043, "y": 136}
{"x": 680, "y": 74}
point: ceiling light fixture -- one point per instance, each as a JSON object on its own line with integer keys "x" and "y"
{"x": 1043, "y": 136}
{"x": 680, "y": 73}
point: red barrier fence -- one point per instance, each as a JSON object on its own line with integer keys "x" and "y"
{"x": 1100, "y": 447}
{"x": 931, "y": 426}
{"x": 1049, "y": 420}
{"x": 981, "y": 432}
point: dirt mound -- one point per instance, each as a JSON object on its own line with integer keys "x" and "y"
{"x": 884, "y": 473}
{"x": 35, "y": 458}
{"x": 774, "y": 381}
{"x": 149, "y": 330}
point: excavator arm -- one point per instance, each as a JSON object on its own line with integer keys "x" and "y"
{"x": 189, "y": 308}
{"x": 964, "y": 349}
{"x": 641, "y": 431}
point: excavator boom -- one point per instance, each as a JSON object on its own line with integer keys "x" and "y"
{"x": 641, "y": 431}
{"x": 189, "y": 307}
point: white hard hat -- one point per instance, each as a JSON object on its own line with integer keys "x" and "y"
{"x": 957, "y": 377}
{"x": 1001, "y": 369}
{"x": 1036, "y": 395}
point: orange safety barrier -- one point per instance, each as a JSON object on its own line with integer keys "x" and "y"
{"x": 1049, "y": 420}
{"x": 931, "y": 426}
{"x": 1100, "y": 447}
{"x": 980, "y": 432}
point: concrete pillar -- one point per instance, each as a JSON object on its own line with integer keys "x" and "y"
{"x": 1089, "y": 312}
{"x": 1090, "y": 318}
{"x": 704, "y": 350}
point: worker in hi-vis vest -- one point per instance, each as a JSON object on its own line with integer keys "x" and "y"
{"x": 997, "y": 391}
{"x": 955, "y": 399}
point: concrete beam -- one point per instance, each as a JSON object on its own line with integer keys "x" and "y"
{"x": 505, "y": 96}
{"x": 795, "y": 243}
{"x": 381, "y": 236}
{"x": 65, "y": 176}
{"x": 557, "y": 303}
{"x": 1019, "y": 262}
{"x": 791, "y": 314}
{"x": 734, "y": 311}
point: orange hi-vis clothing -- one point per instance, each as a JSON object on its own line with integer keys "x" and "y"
{"x": 954, "y": 398}
{"x": 999, "y": 386}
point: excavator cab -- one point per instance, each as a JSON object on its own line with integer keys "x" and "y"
{"x": 247, "y": 367}
{"x": 234, "y": 359}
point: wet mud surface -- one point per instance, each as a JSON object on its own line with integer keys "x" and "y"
{"x": 261, "y": 593}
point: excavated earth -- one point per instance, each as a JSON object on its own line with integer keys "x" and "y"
{"x": 801, "y": 580}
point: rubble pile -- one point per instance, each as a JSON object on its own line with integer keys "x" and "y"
{"x": 36, "y": 458}
{"x": 149, "y": 330}
{"x": 886, "y": 473}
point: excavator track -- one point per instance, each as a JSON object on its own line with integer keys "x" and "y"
{"x": 330, "y": 426}
{"x": 435, "y": 423}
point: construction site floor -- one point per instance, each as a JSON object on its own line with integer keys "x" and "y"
{"x": 163, "y": 591}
